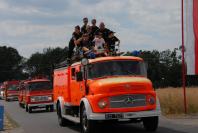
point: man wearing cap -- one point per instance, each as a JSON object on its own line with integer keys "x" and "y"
{"x": 104, "y": 31}
{"x": 84, "y": 27}
{"x": 111, "y": 41}
{"x": 73, "y": 41}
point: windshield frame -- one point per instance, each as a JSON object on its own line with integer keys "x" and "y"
{"x": 11, "y": 86}
{"x": 142, "y": 67}
{"x": 39, "y": 89}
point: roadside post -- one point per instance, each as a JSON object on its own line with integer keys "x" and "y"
{"x": 1, "y": 117}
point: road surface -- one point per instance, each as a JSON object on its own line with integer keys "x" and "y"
{"x": 46, "y": 122}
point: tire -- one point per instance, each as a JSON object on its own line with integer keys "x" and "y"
{"x": 26, "y": 108}
{"x": 30, "y": 110}
{"x": 51, "y": 108}
{"x": 87, "y": 126}
{"x": 62, "y": 122}
{"x": 151, "y": 123}
{"x": 20, "y": 105}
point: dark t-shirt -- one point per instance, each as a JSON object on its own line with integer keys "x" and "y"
{"x": 87, "y": 44}
{"x": 84, "y": 29}
{"x": 104, "y": 32}
{"x": 75, "y": 36}
{"x": 112, "y": 41}
{"x": 94, "y": 29}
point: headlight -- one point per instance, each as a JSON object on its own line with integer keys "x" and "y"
{"x": 150, "y": 99}
{"x": 33, "y": 99}
{"x": 102, "y": 104}
{"x": 49, "y": 98}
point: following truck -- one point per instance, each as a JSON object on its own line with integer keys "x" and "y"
{"x": 11, "y": 90}
{"x": 105, "y": 89}
{"x": 36, "y": 93}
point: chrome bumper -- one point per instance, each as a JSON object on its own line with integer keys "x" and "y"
{"x": 40, "y": 105}
{"x": 125, "y": 115}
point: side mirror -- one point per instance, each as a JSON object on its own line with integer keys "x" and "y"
{"x": 79, "y": 76}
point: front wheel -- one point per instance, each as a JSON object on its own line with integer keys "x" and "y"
{"x": 87, "y": 126}
{"x": 151, "y": 123}
{"x": 62, "y": 122}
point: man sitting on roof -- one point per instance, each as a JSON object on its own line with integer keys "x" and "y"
{"x": 72, "y": 43}
{"x": 103, "y": 30}
{"x": 84, "y": 43}
{"x": 112, "y": 41}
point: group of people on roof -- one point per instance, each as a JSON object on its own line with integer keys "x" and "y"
{"x": 92, "y": 37}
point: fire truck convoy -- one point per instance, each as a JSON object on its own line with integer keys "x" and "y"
{"x": 105, "y": 89}
{"x": 11, "y": 91}
{"x": 36, "y": 93}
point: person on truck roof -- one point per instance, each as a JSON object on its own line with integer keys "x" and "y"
{"x": 94, "y": 28}
{"x": 89, "y": 32}
{"x": 73, "y": 41}
{"x": 84, "y": 27}
{"x": 85, "y": 43}
{"x": 103, "y": 30}
{"x": 112, "y": 41}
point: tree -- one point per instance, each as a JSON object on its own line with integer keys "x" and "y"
{"x": 9, "y": 63}
{"x": 42, "y": 63}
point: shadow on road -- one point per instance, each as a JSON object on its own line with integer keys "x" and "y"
{"x": 123, "y": 128}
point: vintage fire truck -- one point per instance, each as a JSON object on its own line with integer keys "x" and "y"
{"x": 36, "y": 93}
{"x": 11, "y": 90}
{"x": 2, "y": 90}
{"x": 105, "y": 89}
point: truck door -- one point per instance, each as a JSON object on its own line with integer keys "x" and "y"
{"x": 77, "y": 89}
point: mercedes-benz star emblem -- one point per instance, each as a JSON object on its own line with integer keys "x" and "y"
{"x": 129, "y": 100}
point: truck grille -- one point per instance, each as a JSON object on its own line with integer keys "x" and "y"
{"x": 128, "y": 101}
{"x": 41, "y": 98}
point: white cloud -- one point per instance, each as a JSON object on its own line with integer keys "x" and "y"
{"x": 140, "y": 24}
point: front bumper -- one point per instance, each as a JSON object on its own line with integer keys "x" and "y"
{"x": 120, "y": 115}
{"x": 12, "y": 97}
{"x": 125, "y": 115}
{"x": 40, "y": 105}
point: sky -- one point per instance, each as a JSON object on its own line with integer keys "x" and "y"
{"x": 32, "y": 25}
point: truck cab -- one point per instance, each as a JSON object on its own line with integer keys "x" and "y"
{"x": 11, "y": 91}
{"x": 105, "y": 89}
{"x": 36, "y": 93}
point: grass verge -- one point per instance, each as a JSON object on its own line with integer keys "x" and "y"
{"x": 172, "y": 100}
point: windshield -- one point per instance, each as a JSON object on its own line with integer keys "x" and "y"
{"x": 116, "y": 68}
{"x": 12, "y": 88}
{"x": 44, "y": 85}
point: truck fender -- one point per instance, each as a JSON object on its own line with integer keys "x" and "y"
{"x": 61, "y": 102}
{"x": 87, "y": 107}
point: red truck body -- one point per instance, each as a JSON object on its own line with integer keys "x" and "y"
{"x": 11, "y": 91}
{"x": 36, "y": 93}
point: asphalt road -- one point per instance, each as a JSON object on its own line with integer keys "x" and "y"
{"x": 46, "y": 122}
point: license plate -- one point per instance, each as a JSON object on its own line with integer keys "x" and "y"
{"x": 114, "y": 116}
{"x": 41, "y": 106}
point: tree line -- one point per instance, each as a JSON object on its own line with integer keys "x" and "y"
{"x": 164, "y": 67}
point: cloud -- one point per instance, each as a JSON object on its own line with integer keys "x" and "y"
{"x": 33, "y": 25}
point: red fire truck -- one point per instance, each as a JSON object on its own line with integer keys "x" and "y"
{"x": 36, "y": 93}
{"x": 105, "y": 89}
{"x": 11, "y": 91}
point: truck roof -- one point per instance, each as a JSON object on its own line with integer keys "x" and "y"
{"x": 111, "y": 58}
{"x": 36, "y": 80}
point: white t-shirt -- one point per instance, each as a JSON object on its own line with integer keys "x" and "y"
{"x": 99, "y": 43}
